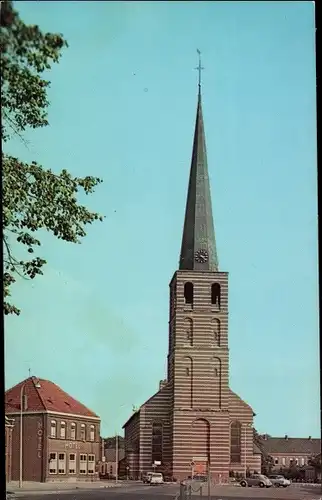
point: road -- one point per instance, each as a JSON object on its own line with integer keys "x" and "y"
{"x": 139, "y": 491}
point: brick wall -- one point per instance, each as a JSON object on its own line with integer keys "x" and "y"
{"x": 33, "y": 442}
{"x": 38, "y": 444}
{"x": 70, "y": 448}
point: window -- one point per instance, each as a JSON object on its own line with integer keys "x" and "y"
{"x": 62, "y": 430}
{"x": 291, "y": 461}
{"x": 187, "y": 371}
{"x": 73, "y": 431}
{"x": 215, "y": 327}
{"x": 111, "y": 469}
{"x": 72, "y": 463}
{"x": 92, "y": 433}
{"x": 53, "y": 463}
{"x": 235, "y": 442}
{"x": 157, "y": 437}
{"x": 82, "y": 432}
{"x": 188, "y": 293}
{"x": 91, "y": 464}
{"x": 82, "y": 464}
{"x": 216, "y": 372}
{"x": 302, "y": 461}
{"x": 283, "y": 461}
{"x": 276, "y": 461}
{"x": 53, "y": 427}
{"x": 62, "y": 463}
{"x": 215, "y": 294}
{"x": 296, "y": 461}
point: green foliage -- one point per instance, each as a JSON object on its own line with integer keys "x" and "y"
{"x": 267, "y": 462}
{"x": 33, "y": 198}
{"x": 110, "y": 443}
{"x": 315, "y": 461}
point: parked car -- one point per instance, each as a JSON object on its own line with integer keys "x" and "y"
{"x": 256, "y": 480}
{"x": 146, "y": 477}
{"x": 278, "y": 480}
{"x": 156, "y": 478}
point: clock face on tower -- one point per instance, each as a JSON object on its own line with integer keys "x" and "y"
{"x": 201, "y": 256}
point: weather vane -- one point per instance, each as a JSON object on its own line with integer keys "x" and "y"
{"x": 199, "y": 68}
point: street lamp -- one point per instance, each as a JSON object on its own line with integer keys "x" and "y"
{"x": 247, "y": 426}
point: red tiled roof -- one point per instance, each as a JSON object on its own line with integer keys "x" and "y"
{"x": 47, "y": 397}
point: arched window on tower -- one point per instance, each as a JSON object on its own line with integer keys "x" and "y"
{"x": 216, "y": 364}
{"x": 215, "y": 294}
{"x": 235, "y": 442}
{"x": 188, "y": 293}
{"x": 215, "y": 330}
{"x": 157, "y": 437}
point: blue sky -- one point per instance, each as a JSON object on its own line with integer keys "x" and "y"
{"x": 123, "y": 102}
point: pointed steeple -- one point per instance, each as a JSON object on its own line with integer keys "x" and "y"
{"x": 198, "y": 249}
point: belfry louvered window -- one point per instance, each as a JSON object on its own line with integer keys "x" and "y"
{"x": 188, "y": 293}
{"x": 215, "y": 294}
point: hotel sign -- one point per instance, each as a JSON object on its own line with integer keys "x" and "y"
{"x": 72, "y": 445}
{"x": 40, "y": 433}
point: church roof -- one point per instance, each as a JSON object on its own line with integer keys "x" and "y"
{"x": 198, "y": 231}
{"x": 134, "y": 414}
{"x": 256, "y": 449}
{"x": 44, "y": 396}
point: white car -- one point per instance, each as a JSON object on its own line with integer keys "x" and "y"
{"x": 146, "y": 478}
{"x": 278, "y": 480}
{"x": 156, "y": 478}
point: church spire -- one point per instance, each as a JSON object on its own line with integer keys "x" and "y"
{"x": 198, "y": 249}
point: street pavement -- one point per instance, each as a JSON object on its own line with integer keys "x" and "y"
{"x": 138, "y": 491}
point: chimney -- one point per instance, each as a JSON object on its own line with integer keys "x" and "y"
{"x": 286, "y": 437}
{"x": 310, "y": 438}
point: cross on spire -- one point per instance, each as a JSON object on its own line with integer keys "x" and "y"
{"x": 199, "y": 68}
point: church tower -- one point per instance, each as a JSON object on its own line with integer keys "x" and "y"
{"x": 198, "y": 331}
{"x": 194, "y": 423}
